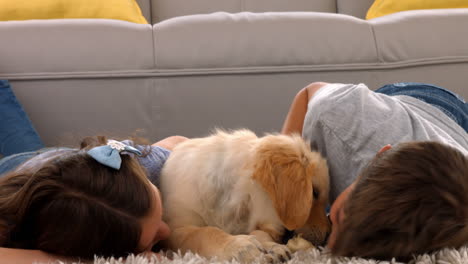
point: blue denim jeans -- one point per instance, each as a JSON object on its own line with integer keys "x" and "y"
{"x": 453, "y": 105}
{"x": 16, "y": 131}
{"x": 10, "y": 163}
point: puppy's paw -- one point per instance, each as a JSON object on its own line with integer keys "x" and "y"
{"x": 244, "y": 248}
{"x": 280, "y": 253}
{"x": 298, "y": 243}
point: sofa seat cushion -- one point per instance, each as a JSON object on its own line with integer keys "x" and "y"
{"x": 72, "y": 46}
{"x": 127, "y": 10}
{"x": 223, "y": 40}
{"x": 405, "y": 38}
{"x": 165, "y": 9}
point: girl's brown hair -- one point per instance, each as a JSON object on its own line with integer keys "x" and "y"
{"x": 75, "y": 206}
{"x": 411, "y": 199}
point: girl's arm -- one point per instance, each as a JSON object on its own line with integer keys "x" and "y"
{"x": 295, "y": 118}
{"x": 170, "y": 142}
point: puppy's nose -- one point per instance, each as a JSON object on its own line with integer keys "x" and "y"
{"x": 327, "y": 236}
{"x": 286, "y": 236}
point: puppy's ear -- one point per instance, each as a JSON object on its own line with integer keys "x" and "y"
{"x": 286, "y": 175}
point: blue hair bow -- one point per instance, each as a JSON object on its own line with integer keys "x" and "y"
{"x": 109, "y": 154}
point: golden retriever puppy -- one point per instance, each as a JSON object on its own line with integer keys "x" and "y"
{"x": 233, "y": 195}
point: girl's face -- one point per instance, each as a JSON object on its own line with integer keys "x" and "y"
{"x": 154, "y": 229}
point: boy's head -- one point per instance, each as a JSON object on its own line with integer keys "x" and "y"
{"x": 409, "y": 200}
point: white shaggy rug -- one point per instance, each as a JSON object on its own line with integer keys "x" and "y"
{"x": 311, "y": 256}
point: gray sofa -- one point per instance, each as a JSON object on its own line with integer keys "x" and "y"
{"x": 191, "y": 70}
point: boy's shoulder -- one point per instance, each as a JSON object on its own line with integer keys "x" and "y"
{"x": 336, "y": 102}
{"x": 340, "y": 92}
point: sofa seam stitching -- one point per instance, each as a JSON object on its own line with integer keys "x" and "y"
{"x": 236, "y": 70}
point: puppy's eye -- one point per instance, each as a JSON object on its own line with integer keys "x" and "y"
{"x": 316, "y": 194}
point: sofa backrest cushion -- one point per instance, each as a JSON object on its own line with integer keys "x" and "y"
{"x": 165, "y": 9}
{"x": 356, "y": 8}
{"x": 145, "y": 7}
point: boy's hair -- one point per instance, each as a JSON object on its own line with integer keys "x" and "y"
{"x": 411, "y": 199}
{"x": 75, "y": 206}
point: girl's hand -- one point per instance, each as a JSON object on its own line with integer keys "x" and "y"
{"x": 170, "y": 142}
{"x": 26, "y": 256}
{"x": 150, "y": 255}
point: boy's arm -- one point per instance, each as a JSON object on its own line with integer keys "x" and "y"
{"x": 295, "y": 118}
{"x": 26, "y": 256}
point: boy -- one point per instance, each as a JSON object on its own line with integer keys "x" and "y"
{"x": 405, "y": 200}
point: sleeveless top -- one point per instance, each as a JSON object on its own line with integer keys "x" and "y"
{"x": 153, "y": 161}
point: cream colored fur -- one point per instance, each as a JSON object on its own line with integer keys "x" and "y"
{"x": 232, "y": 195}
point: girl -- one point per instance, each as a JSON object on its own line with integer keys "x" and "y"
{"x": 78, "y": 203}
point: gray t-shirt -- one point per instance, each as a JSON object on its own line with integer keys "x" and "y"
{"x": 349, "y": 124}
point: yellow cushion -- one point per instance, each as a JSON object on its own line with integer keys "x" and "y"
{"x": 385, "y": 7}
{"x": 127, "y": 10}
